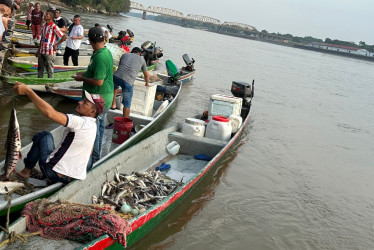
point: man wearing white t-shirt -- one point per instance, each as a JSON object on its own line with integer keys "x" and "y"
{"x": 74, "y": 41}
{"x": 69, "y": 159}
{"x": 107, "y": 34}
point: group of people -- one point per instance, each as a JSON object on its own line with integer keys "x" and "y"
{"x": 7, "y": 9}
{"x": 51, "y": 35}
{"x": 83, "y": 135}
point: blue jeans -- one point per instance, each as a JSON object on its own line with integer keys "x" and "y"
{"x": 42, "y": 146}
{"x": 60, "y": 45}
{"x": 127, "y": 90}
{"x": 96, "y": 153}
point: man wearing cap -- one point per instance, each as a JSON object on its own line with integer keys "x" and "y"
{"x": 98, "y": 79}
{"x": 106, "y": 33}
{"x": 125, "y": 75}
{"x": 69, "y": 159}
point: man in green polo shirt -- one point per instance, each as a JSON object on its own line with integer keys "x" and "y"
{"x": 98, "y": 79}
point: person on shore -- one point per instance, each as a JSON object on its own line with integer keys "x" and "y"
{"x": 125, "y": 75}
{"x": 61, "y": 23}
{"x": 28, "y": 21}
{"x": 36, "y": 22}
{"x": 48, "y": 46}
{"x": 98, "y": 79}
{"x": 69, "y": 159}
{"x": 107, "y": 34}
{"x": 7, "y": 9}
{"x": 74, "y": 40}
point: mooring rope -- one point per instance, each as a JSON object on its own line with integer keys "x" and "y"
{"x": 11, "y": 237}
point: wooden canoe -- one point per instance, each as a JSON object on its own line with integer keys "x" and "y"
{"x": 18, "y": 52}
{"x": 38, "y": 84}
{"x": 109, "y": 149}
{"x": 185, "y": 167}
{"x": 30, "y": 63}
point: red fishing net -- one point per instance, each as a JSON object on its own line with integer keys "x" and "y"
{"x": 74, "y": 221}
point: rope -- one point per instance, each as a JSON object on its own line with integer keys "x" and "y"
{"x": 13, "y": 236}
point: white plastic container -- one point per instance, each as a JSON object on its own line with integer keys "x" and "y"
{"x": 193, "y": 126}
{"x": 225, "y": 106}
{"x": 173, "y": 148}
{"x": 236, "y": 121}
{"x": 143, "y": 98}
{"x": 219, "y": 128}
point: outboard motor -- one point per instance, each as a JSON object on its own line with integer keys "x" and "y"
{"x": 173, "y": 71}
{"x": 189, "y": 63}
{"x": 151, "y": 53}
{"x": 110, "y": 28}
{"x": 244, "y": 90}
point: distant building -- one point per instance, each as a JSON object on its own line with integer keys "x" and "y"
{"x": 341, "y": 48}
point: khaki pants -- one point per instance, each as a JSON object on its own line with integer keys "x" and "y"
{"x": 45, "y": 61}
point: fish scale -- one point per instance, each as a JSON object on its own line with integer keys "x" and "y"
{"x": 12, "y": 146}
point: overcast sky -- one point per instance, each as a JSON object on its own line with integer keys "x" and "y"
{"x": 348, "y": 20}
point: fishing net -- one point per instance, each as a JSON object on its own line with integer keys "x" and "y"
{"x": 74, "y": 221}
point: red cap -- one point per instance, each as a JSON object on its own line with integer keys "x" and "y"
{"x": 97, "y": 100}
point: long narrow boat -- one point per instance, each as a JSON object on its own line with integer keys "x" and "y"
{"x": 189, "y": 158}
{"x": 182, "y": 75}
{"x": 21, "y": 25}
{"x": 38, "y": 84}
{"x": 31, "y": 63}
{"x": 19, "y": 44}
{"x": 17, "y": 52}
{"x": 72, "y": 89}
{"x": 159, "y": 113}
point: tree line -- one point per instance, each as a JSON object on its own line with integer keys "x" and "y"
{"x": 109, "y": 6}
{"x": 310, "y": 39}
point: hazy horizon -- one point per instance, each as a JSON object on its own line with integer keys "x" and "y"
{"x": 345, "y": 20}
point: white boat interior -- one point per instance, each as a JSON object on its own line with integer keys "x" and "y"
{"x": 184, "y": 167}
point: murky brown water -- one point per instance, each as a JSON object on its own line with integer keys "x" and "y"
{"x": 302, "y": 176}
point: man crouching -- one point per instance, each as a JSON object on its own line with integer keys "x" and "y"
{"x": 69, "y": 159}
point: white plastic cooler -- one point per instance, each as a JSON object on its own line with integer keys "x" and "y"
{"x": 225, "y": 106}
{"x": 143, "y": 98}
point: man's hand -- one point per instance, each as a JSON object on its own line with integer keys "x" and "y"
{"x": 20, "y": 88}
{"x": 147, "y": 84}
{"x": 55, "y": 47}
{"x": 78, "y": 77}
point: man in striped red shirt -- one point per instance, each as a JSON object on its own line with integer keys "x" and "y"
{"x": 48, "y": 46}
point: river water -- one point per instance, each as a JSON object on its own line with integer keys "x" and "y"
{"x": 301, "y": 176}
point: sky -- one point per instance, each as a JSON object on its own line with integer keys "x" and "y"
{"x": 347, "y": 20}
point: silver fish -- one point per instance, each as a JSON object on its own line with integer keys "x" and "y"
{"x": 12, "y": 146}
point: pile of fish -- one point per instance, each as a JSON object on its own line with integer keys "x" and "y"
{"x": 137, "y": 192}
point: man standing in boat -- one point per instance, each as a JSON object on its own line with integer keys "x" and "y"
{"x": 61, "y": 24}
{"x": 47, "y": 49}
{"x": 69, "y": 159}
{"x": 125, "y": 75}
{"x": 98, "y": 79}
{"x": 73, "y": 43}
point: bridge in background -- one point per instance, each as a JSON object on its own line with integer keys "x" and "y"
{"x": 178, "y": 14}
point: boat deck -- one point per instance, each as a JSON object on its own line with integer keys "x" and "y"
{"x": 183, "y": 167}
